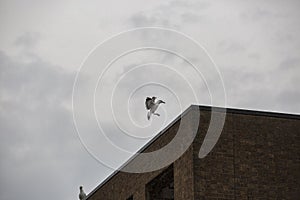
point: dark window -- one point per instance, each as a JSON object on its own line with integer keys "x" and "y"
{"x": 130, "y": 198}
{"x": 162, "y": 186}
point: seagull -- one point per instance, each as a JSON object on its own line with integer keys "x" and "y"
{"x": 82, "y": 195}
{"x": 152, "y": 105}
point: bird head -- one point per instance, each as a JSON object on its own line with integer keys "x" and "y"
{"x": 80, "y": 187}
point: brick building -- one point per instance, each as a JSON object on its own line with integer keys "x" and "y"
{"x": 256, "y": 157}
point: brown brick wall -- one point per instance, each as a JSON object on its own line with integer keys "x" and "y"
{"x": 184, "y": 177}
{"x": 267, "y": 157}
{"x": 214, "y": 173}
{"x": 256, "y": 157}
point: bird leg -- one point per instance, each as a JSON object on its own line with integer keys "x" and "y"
{"x": 148, "y": 115}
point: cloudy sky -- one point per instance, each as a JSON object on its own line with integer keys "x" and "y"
{"x": 255, "y": 45}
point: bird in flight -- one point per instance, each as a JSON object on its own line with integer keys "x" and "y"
{"x": 152, "y": 105}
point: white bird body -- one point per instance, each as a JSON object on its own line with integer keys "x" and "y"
{"x": 82, "y": 195}
{"x": 152, "y": 105}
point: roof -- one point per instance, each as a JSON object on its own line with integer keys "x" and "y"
{"x": 201, "y": 108}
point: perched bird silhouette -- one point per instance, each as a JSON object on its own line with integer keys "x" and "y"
{"x": 82, "y": 195}
{"x": 152, "y": 105}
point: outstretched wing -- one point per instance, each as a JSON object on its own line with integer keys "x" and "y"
{"x": 149, "y": 103}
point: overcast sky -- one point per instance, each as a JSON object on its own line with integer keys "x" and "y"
{"x": 255, "y": 45}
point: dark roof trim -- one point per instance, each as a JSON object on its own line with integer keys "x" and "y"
{"x": 199, "y": 107}
{"x": 250, "y": 112}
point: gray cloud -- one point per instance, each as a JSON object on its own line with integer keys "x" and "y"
{"x": 258, "y": 14}
{"x": 157, "y": 19}
{"x": 227, "y": 46}
{"x": 28, "y": 39}
{"x": 173, "y": 14}
{"x": 290, "y": 64}
{"x": 274, "y": 89}
{"x": 40, "y": 152}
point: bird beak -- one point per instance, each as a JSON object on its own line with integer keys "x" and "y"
{"x": 163, "y": 102}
